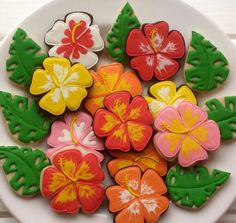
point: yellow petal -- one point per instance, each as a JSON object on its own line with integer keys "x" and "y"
{"x": 154, "y": 105}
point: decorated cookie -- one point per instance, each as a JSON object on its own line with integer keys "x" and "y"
{"x": 22, "y": 168}
{"x": 76, "y": 132}
{"x": 137, "y": 197}
{"x": 206, "y": 68}
{"x": 24, "y": 58}
{"x": 223, "y": 112}
{"x": 147, "y": 159}
{"x": 63, "y": 85}
{"x": 116, "y": 38}
{"x": 75, "y": 38}
{"x": 73, "y": 182}
{"x": 193, "y": 187}
{"x": 125, "y": 122}
{"x": 109, "y": 79}
{"x": 186, "y": 133}
{"x": 25, "y": 120}
{"x": 155, "y": 51}
{"x": 165, "y": 94}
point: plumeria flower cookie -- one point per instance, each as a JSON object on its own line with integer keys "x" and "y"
{"x": 75, "y": 38}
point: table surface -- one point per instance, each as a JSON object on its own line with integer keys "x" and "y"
{"x": 221, "y": 12}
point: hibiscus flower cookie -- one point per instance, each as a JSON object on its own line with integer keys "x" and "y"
{"x": 63, "y": 85}
{"x": 75, "y": 38}
{"x": 109, "y": 79}
{"x": 186, "y": 133}
{"x": 137, "y": 197}
{"x": 73, "y": 182}
{"x": 125, "y": 122}
{"x": 76, "y": 132}
{"x": 155, "y": 50}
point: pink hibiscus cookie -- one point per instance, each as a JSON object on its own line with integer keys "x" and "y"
{"x": 186, "y": 133}
{"x": 77, "y": 132}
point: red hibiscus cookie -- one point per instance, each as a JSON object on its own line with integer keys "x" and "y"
{"x": 124, "y": 122}
{"x": 155, "y": 50}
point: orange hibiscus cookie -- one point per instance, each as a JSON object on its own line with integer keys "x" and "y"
{"x": 109, "y": 79}
{"x": 137, "y": 197}
{"x": 147, "y": 159}
{"x": 73, "y": 182}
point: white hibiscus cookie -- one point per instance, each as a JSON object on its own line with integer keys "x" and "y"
{"x": 76, "y": 39}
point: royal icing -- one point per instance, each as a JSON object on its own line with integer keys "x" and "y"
{"x": 165, "y": 94}
{"x": 76, "y": 132}
{"x": 206, "y": 67}
{"x": 155, "y": 50}
{"x": 63, "y": 85}
{"x": 109, "y": 79}
{"x": 149, "y": 158}
{"x": 116, "y": 38}
{"x": 76, "y": 39}
{"x": 223, "y": 112}
{"x": 193, "y": 187}
{"x": 22, "y": 168}
{"x": 24, "y": 58}
{"x": 26, "y": 122}
{"x": 73, "y": 182}
{"x": 124, "y": 122}
{"x": 186, "y": 133}
{"x": 137, "y": 197}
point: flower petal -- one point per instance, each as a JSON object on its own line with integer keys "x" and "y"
{"x": 156, "y": 34}
{"x": 119, "y": 198}
{"x": 119, "y": 139}
{"x": 52, "y": 181}
{"x": 154, "y": 207}
{"x": 137, "y": 44}
{"x": 93, "y": 104}
{"x": 55, "y": 35}
{"x": 90, "y": 196}
{"x": 192, "y": 115}
{"x": 61, "y": 51}
{"x": 173, "y": 46}
{"x": 98, "y": 43}
{"x": 145, "y": 66}
{"x": 53, "y": 102}
{"x": 165, "y": 67}
{"x": 139, "y": 134}
{"x": 191, "y": 152}
{"x": 79, "y": 16}
{"x": 115, "y": 165}
{"x": 66, "y": 200}
{"x": 208, "y": 135}
{"x": 154, "y": 106}
{"x": 105, "y": 122}
{"x": 168, "y": 144}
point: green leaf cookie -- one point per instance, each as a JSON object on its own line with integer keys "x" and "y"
{"x": 192, "y": 187}
{"x": 22, "y": 167}
{"x": 223, "y": 112}
{"x": 205, "y": 66}
{"x": 116, "y": 38}
{"x": 24, "y": 118}
{"x": 24, "y": 58}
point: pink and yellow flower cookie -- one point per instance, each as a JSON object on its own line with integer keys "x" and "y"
{"x": 125, "y": 122}
{"x": 73, "y": 182}
{"x": 186, "y": 133}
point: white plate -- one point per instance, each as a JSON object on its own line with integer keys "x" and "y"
{"x": 181, "y": 17}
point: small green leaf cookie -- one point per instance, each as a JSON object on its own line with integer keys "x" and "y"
{"x": 22, "y": 168}
{"x": 24, "y": 118}
{"x": 205, "y": 68}
{"x": 192, "y": 187}
{"x": 223, "y": 112}
{"x": 24, "y": 58}
{"x": 116, "y": 38}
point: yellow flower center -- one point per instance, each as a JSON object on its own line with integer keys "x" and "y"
{"x": 72, "y": 133}
{"x": 129, "y": 188}
{"x": 153, "y": 35}
{"x": 73, "y": 37}
{"x": 165, "y": 126}
{"x": 147, "y": 157}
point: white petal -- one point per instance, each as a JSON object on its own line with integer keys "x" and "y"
{"x": 88, "y": 60}
{"x": 56, "y": 34}
{"x": 77, "y": 17}
{"x": 98, "y": 43}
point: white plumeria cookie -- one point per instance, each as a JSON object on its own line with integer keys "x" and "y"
{"x": 75, "y": 38}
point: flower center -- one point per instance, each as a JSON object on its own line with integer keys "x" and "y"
{"x": 153, "y": 35}
{"x": 165, "y": 126}
{"x": 147, "y": 157}
{"x": 72, "y": 131}
{"x": 119, "y": 108}
{"x": 104, "y": 81}
{"x": 73, "y": 37}
{"x": 129, "y": 188}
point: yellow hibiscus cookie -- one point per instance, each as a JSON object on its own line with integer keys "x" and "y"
{"x": 64, "y": 85}
{"x": 166, "y": 94}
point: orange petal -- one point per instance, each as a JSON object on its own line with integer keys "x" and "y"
{"x": 93, "y": 104}
{"x": 117, "y": 164}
